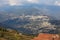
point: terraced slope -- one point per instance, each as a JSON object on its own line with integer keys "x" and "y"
{"x": 13, "y": 35}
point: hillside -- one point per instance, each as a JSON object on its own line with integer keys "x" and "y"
{"x": 33, "y": 24}
{"x": 44, "y": 36}
{"x": 8, "y": 34}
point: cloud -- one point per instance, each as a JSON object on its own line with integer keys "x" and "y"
{"x": 57, "y": 3}
{"x": 15, "y": 2}
{"x": 22, "y": 2}
{"x": 3, "y": 2}
{"x": 33, "y": 1}
{"x": 12, "y": 2}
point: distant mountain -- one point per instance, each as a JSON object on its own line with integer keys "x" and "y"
{"x": 26, "y": 19}
{"x": 29, "y": 25}
{"x": 33, "y": 9}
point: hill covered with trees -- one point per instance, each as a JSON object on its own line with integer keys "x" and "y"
{"x": 9, "y": 34}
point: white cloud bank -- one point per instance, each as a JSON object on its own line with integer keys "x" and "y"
{"x": 15, "y": 2}
{"x": 57, "y": 3}
{"x": 21, "y": 2}
{"x": 33, "y": 1}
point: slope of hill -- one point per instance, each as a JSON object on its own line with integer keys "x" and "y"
{"x": 9, "y": 34}
{"x": 43, "y": 36}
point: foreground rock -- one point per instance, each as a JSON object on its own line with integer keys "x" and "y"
{"x": 43, "y": 36}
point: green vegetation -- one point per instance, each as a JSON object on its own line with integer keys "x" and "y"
{"x": 8, "y": 34}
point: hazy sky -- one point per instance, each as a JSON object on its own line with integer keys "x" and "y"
{"x": 22, "y": 2}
